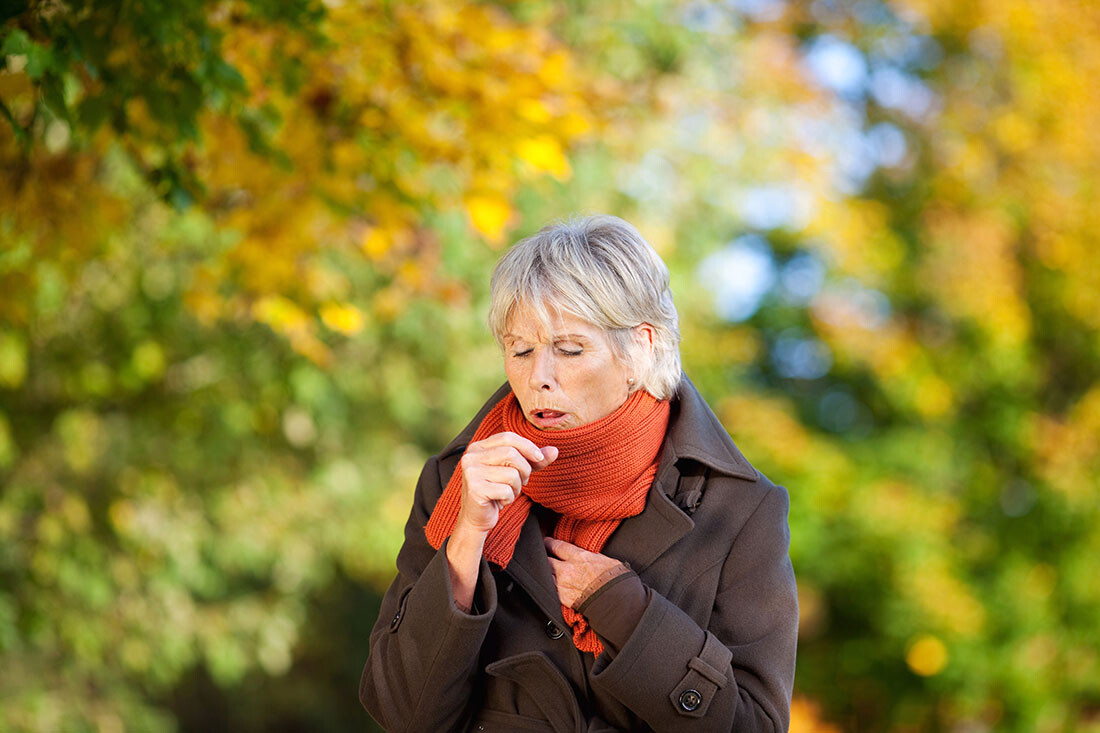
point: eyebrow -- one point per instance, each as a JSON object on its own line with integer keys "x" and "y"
{"x": 557, "y": 337}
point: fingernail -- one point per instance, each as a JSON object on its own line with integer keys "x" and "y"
{"x": 539, "y": 456}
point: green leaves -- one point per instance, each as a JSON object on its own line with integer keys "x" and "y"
{"x": 32, "y": 58}
{"x": 13, "y": 359}
{"x": 212, "y": 416}
{"x": 151, "y": 70}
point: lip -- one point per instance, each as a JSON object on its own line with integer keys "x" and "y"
{"x": 544, "y": 417}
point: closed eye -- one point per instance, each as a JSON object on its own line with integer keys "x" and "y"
{"x": 563, "y": 352}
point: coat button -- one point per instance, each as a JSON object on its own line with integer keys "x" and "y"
{"x": 553, "y": 631}
{"x": 396, "y": 620}
{"x": 690, "y": 700}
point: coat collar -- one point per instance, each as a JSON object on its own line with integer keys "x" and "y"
{"x": 694, "y": 434}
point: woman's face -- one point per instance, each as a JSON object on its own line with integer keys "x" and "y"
{"x": 566, "y": 378}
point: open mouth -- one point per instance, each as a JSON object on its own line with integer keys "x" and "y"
{"x": 546, "y": 418}
{"x": 547, "y": 414}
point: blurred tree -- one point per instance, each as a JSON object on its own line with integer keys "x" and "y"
{"x": 304, "y": 131}
{"x": 245, "y": 253}
{"x": 179, "y": 485}
{"x": 904, "y": 322}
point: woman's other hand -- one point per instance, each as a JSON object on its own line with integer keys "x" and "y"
{"x": 575, "y": 569}
{"x": 494, "y": 472}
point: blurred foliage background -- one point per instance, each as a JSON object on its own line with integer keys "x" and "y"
{"x": 245, "y": 257}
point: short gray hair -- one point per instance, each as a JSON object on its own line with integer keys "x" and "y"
{"x": 601, "y": 270}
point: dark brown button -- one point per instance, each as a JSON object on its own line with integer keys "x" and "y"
{"x": 553, "y": 631}
{"x": 690, "y": 700}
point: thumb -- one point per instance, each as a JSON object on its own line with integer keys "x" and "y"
{"x": 550, "y": 454}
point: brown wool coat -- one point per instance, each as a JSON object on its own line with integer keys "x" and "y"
{"x": 715, "y": 647}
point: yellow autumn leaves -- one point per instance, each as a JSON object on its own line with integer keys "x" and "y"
{"x": 401, "y": 112}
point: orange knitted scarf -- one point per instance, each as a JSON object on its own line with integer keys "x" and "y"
{"x": 601, "y": 476}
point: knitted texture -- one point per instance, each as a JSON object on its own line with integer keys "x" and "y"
{"x": 601, "y": 476}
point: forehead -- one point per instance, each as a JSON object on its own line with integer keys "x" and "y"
{"x": 528, "y": 322}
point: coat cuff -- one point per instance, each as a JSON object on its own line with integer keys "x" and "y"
{"x": 430, "y": 602}
{"x": 669, "y": 669}
{"x": 614, "y": 610}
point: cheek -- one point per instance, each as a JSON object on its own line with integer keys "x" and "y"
{"x": 512, "y": 373}
{"x": 600, "y": 382}
{"x": 518, "y": 375}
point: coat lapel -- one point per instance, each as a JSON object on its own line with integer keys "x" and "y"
{"x": 641, "y": 539}
{"x": 530, "y": 568}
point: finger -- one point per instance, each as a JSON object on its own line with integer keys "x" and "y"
{"x": 527, "y": 449}
{"x": 499, "y": 494}
{"x": 559, "y": 570}
{"x": 501, "y": 475}
{"x": 506, "y": 455}
{"x": 550, "y": 454}
{"x": 561, "y": 548}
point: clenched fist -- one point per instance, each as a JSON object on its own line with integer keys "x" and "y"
{"x": 494, "y": 472}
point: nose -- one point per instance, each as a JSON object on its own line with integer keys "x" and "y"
{"x": 542, "y": 370}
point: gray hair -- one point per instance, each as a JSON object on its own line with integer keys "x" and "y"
{"x": 601, "y": 270}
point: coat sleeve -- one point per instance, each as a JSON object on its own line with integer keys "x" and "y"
{"x": 736, "y": 674}
{"x": 423, "y": 660}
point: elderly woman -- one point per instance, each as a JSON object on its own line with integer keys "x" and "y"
{"x": 592, "y": 553}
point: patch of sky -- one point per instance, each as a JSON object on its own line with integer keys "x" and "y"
{"x": 850, "y": 301}
{"x": 928, "y": 53}
{"x": 800, "y": 278}
{"x": 854, "y": 154}
{"x": 738, "y": 276}
{"x": 692, "y": 130}
{"x": 649, "y": 180}
{"x": 798, "y": 356}
{"x": 815, "y": 133}
{"x": 837, "y": 65}
{"x": 895, "y": 89}
{"x": 871, "y": 12}
{"x": 907, "y": 50}
{"x": 887, "y": 144}
{"x": 854, "y": 161}
{"x": 706, "y": 17}
{"x": 774, "y": 206}
{"x": 824, "y": 10}
{"x": 759, "y": 10}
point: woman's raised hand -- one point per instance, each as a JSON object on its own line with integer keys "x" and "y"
{"x": 494, "y": 472}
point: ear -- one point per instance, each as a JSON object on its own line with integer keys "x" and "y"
{"x": 644, "y": 335}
